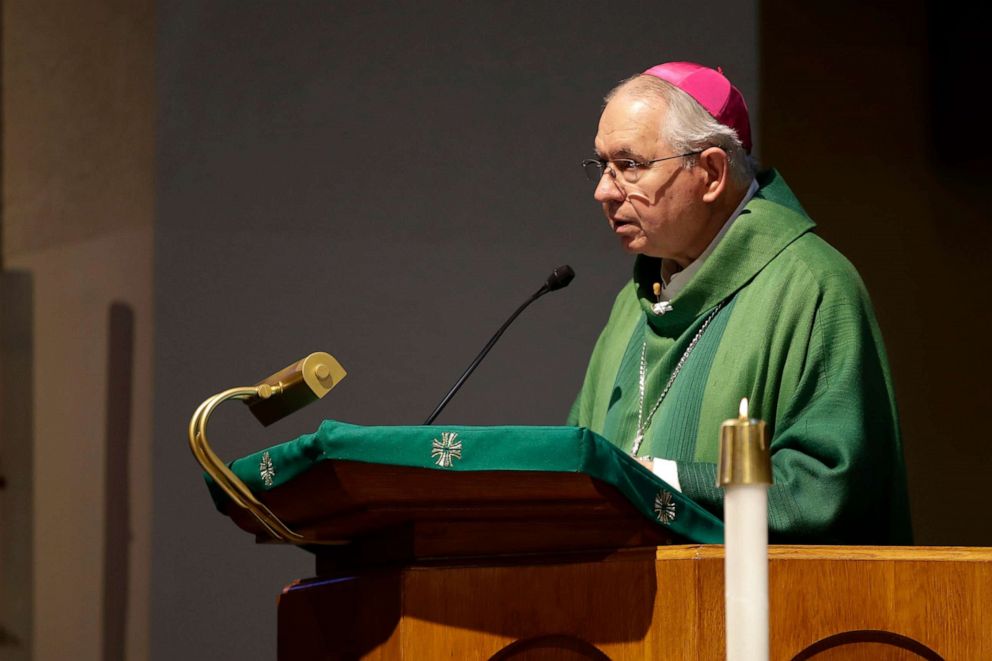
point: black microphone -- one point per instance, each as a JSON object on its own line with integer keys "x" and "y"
{"x": 558, "y": 279}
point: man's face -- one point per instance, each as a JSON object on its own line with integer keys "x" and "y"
{"x": 661, "y": 214}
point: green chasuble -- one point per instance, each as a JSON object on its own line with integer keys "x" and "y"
{"x": 796, "y": 336}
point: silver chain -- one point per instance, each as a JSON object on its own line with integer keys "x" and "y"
{"x": 643, "y": 422}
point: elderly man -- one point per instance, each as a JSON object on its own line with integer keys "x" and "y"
{"x": 734, "y": 296}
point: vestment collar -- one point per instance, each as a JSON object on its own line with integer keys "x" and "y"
{"x": 770, "y": 221}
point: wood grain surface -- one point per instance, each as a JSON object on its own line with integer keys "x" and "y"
{"x": 657, "y": 603}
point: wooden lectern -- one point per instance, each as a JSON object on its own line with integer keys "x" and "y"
{"x": 414, "y": 562}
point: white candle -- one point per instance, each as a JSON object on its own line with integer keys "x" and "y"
{"x": 745, "y": 474}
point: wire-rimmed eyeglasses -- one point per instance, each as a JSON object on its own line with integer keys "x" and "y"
{"x": 630, "y": 169}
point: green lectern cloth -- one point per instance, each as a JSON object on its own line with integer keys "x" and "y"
{"x": 467, "y": 449}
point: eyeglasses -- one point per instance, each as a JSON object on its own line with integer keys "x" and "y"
{"x": 629, "y": 168}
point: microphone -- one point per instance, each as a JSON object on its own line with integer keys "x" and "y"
{"x": 558, "y": 279}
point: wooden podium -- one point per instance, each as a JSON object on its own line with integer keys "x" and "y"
{"x": 426, "y": 564}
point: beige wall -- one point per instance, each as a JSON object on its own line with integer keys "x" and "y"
{"x": 78, "y": 145}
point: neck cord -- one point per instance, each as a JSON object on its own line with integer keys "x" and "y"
{"x": 644, "y": 421}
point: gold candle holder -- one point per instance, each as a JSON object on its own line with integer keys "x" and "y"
{"x": 744, "y": 453}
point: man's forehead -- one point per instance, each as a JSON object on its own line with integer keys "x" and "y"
{"x": 629, "y": 127}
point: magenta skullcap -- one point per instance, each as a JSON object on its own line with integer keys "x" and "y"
{"x": 711, "y": 89}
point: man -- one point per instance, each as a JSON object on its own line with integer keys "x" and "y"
{"x": 734, "y": 296}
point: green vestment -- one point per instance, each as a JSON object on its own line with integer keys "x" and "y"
{"x": 796, "y": 336}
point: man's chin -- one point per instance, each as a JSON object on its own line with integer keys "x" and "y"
{"x": 635, "y": 247}
{"x": 632, "y": 246}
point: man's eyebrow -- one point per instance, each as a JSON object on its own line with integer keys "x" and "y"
{"x": 623, "y": 152}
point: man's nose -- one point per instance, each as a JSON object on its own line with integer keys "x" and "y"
{"x": 608, "y": 189}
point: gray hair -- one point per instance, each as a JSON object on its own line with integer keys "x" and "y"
{"x": 688, "y": 126}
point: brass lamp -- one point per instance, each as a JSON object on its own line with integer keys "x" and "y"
{"x": 271, "y": 399}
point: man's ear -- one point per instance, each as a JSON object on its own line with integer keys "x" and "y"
{"x": 715, "y": 165}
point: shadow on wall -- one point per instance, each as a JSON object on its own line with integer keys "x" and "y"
{"x": 16, "y": 464}
{"x": 117, "y": 528}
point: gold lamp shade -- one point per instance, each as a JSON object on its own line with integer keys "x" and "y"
{"x": 273, "y": 398}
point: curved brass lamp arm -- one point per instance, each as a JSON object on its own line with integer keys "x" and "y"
{"x": 224, "y": 476}
{"x": 279, "y": 395}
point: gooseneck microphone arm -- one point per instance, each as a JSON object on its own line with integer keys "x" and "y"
{"x": 558, "y": 279}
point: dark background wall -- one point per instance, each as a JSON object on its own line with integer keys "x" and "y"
{"x": 386, "y": 182}
{"x": 871, "y": 112}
